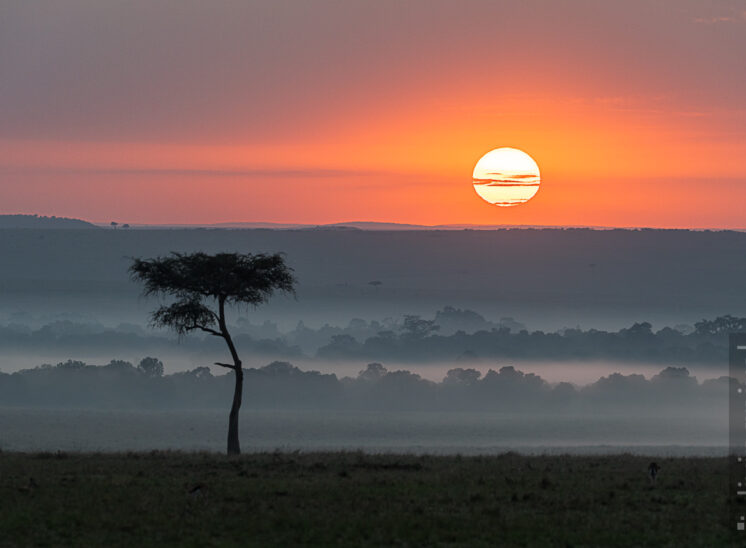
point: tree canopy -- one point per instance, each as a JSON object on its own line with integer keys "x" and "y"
{"x": 229, "y": 278}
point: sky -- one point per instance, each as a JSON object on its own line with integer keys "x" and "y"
{"x": 330, "y": 111}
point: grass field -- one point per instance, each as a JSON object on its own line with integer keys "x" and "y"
{"x": 355, "y": 499}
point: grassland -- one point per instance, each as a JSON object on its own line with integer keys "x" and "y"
{"x": 355, "y": 499}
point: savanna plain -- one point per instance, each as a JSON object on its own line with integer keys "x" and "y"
{"x": 360, "y": 499}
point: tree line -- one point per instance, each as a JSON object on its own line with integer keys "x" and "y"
{"x": 403, "y": 340}
{"x": 419, "y": 340}
{"x": 281, "y": 385}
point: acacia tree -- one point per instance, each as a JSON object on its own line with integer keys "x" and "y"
{"x": 200, "y": 287}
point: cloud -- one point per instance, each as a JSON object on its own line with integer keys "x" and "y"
{"x": 252, "y": 173}
{"x": 734, "y": 17}
{"x": 506, "y": 182}
{"x": 715, "y": 19}
{"x": 512, "y": 176}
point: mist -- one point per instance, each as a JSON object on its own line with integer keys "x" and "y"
{"x": 414, "y": 340}
{"x": 74, "y": 406}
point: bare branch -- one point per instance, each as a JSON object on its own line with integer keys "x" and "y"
{"x": 206, "y": 330}
{"x": 229, "y": 366}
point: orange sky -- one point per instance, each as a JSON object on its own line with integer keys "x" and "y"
{"x": 635, "y": 112}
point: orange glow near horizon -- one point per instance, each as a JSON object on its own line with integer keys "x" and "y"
{"x": 599, "y": 166}
{"x": 389, "y": 127}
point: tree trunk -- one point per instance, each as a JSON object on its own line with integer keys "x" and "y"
{"x": 234, "y": 447}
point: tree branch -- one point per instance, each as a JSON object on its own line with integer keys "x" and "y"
{"x": 225, "y": 333}
{"x": 207, "y": 330}
{"x": 229, "y": 366}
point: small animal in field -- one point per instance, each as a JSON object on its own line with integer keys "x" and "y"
{"x": 653, "y": 472}
{"x": 197, "y": 491}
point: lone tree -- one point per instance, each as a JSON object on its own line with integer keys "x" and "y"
{"x": 201, "y": 287}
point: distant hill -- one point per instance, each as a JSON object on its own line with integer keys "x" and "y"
{"x": 384, "y": 226}
{"x": 35, "y": 221}
{"x": 359, "y": 225}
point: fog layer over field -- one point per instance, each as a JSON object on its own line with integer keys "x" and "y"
{"x": 457, "y": 341}
{"x": 430, "y": 347}
{"x": 402, "y": 432}
{"x": 74, "y": 406}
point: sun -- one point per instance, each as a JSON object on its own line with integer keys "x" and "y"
{"x": 506, "y": 177}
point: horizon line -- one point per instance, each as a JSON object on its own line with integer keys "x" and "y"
{"x": 384, "y": 225}
{"x": 370, "y": 225}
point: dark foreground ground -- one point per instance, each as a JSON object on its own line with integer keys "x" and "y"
{"x": 354, "y": 499}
